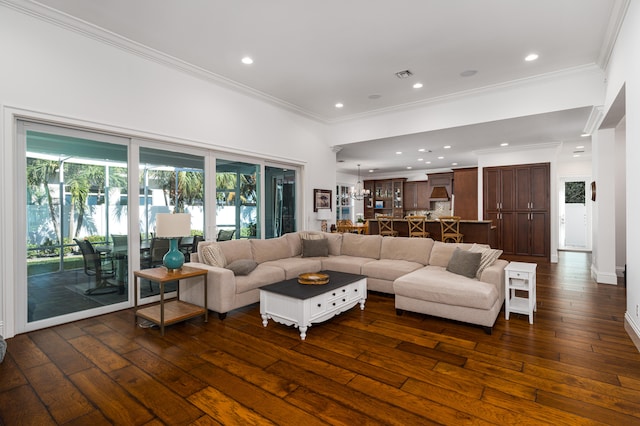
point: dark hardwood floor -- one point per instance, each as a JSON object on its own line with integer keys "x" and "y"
{"x": 574, "y": 365}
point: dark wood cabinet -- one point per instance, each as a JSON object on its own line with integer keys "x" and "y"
{"x": 465, "y": 189}
{"x": 517, "y": 200}
{"x": 416, "y": 195}
{"x": 386, "y": 198}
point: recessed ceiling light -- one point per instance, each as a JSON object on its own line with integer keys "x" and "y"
{"x": 440, "y": 158}
{"x": 339, "y": 105}
{"x": 585, "y": 135}
{"x": 447, "y": 146}
{"x": 504, "y": 144}
{"x": 468, "y": 73}
{"x": 247, "y": 60}
{"x": 427, "y": 162}
{"x": 576, "y": 155}
{"x": 531, "y": 57}
{"x": 371, "y": 170}
{"x": 454, "y": 164}
{"x": 417, "y": 86}
{"x": 398, "y": 152}
{"x": 580, "y": 147}
{"x": 421, "y": 150}
{"x": 409, "y": 167}
{"x": 420, "y": 159}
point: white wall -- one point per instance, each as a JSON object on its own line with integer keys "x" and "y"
{"x": 52, "y": 72}
{"x": 621, "y": 198}
{"x": 624, "y": 70}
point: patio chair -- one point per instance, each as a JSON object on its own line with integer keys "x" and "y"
{"x": 98, "y": 265}
{"x": 225, "y": 234}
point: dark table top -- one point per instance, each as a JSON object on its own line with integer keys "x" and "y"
{"x": 296, "y": 290}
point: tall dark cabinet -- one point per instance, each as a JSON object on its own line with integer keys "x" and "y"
{"x": 517, "y": 200}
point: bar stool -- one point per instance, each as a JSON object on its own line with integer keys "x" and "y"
{"x": 450, "y": 229}
{"x": 417, "y": 226}
{"x": 385, "y": 224}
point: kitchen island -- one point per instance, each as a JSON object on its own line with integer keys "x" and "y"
{"x": 474, "y": 231}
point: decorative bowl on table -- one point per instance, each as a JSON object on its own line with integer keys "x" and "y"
{"x": 313, "y": 278}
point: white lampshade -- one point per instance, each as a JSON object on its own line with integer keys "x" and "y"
{"x": 324, "y": 214}
{"x": 173, "y": 225}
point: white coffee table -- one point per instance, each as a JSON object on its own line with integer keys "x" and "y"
{"x": 301, "y": 305}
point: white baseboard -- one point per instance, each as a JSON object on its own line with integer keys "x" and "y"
{"x": 632, "y": 329}
{"x": 603, "y": 278}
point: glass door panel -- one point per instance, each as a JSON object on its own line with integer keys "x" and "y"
{"x": 237, "y": 200}
{"x": 170, "y": 182}
{"x": 280, "y": 201}
{"x": 73, "y": 190}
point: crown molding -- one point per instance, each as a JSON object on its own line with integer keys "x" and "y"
{"x": 71, "y": 23}
{"x": 618, "y": 14}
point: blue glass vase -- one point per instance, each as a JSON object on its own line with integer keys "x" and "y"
{"x": 174, "y": 259}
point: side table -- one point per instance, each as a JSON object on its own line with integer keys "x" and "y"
{"x": 176, "y": 310}
{"x": 520, "y": 276}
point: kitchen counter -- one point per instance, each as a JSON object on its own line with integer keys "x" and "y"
{"x": 474, "y": 231}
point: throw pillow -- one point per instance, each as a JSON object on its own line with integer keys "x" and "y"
{"x": 464, "y": 263}
{"x": 489, "y": 256}
{"x": 212, "y": 255}
{"x": 315, "y": 248}
{"x": 306, "y": 235}
{"x": 242, "y": 266}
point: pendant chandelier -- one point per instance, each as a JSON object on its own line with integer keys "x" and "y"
{"x": 359, "y": 193}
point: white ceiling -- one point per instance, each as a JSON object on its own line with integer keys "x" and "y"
{"x": 309, "y": 54}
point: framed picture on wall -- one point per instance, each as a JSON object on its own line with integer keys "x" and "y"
{"x": 321, "y": 199}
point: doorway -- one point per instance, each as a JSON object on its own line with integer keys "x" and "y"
{"x": 575, "y": 214}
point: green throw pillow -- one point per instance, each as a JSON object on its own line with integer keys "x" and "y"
{"x": 464, "y": 263}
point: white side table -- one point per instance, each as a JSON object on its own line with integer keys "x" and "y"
{"x": 520, "y": 276}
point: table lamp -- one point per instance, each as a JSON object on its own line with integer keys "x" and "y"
{"x": 324, "y": 215}
{"x": 173, "y": 226}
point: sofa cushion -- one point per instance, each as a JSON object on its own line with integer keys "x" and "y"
{"x": 361, "y": 245}
{"x": 410, "y": 249}
{"x": 294, "y": 266}
{"x": 389, "y": 269}
{"x": 441, "y": 252}
{"x": 335, "y": 243}
{"x": 271, "y": 249}
{"x": 436, "y": 284}
{"x": 259, "y": 277}
{"x": 315, "y": 248}
{"x": 464, "y": 263}
{"x": 488, "y": 254}
{"x": 242, "y": 266}
{"x": 212, "y": 255}
{"x": 349, "y": 264}
{"x": 232, "y": 250}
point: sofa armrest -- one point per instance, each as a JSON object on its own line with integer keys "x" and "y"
{"x": 494, "y": 274}
{"x": 221, "y": 288}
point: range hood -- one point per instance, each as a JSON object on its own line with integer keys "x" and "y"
{"x": 439, "y": 193}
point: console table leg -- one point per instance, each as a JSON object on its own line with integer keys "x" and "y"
{"x": 303, "y": 332}
{"x": 265, "y": 320}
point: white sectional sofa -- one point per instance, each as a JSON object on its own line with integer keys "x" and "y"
{"x": 413, "y": 269}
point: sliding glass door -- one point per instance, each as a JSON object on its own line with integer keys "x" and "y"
{"x": 74, "y": 183}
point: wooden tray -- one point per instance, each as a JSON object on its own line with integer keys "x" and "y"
{"x": 313, "y": 278}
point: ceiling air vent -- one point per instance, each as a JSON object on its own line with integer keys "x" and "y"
{"x": 404, "y": 74}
